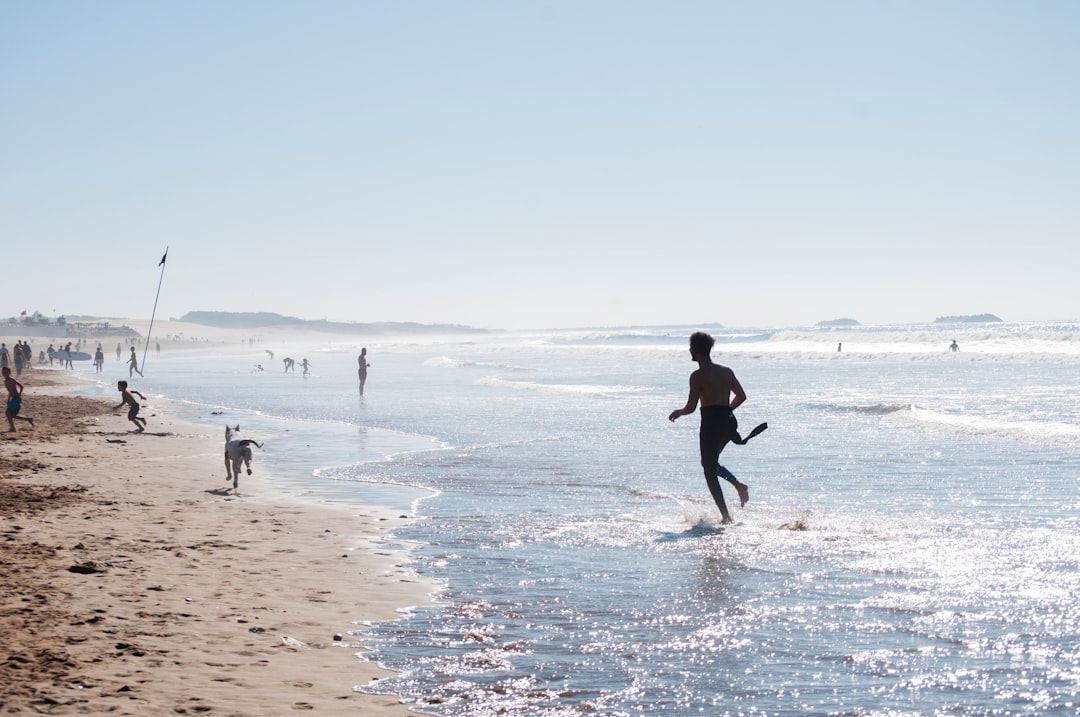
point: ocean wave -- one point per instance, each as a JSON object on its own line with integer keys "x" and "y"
{"x": 884, "y": 355}
{"x": 1036, "y": 432}
{"x": 874, "y": 409}
{"x": 1016, "y": 341}
{"x": 1033, "y": 432}
{"x": 1035, "y": 342}
{"x": 604, "y": 390}
{"x": 449, "y": 362}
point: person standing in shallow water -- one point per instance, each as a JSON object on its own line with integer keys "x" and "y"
{"x": 718, "y": 391}
{"x": 361, "y": 372}
{"x": 133, "y": 364}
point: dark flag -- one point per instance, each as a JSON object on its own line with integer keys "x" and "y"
{"x": 150, "y": 329}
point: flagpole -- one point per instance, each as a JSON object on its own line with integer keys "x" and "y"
{"x": 150, "y": 328}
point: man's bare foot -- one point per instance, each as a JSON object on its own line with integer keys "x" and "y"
{"x": 744, "y": 493}
{"x": 31, "y": 421}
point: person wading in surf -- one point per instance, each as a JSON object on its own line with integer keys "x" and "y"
{"x": 719, "y": 393}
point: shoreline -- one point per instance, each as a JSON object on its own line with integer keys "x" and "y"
{"x": 139, "y": 585}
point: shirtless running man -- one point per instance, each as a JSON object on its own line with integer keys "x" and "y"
{"x": 719, "y": 393}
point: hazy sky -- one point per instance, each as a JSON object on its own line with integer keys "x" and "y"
{"x": 541, "y": 164}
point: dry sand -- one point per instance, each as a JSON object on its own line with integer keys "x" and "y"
{"x": 135, "y": 583}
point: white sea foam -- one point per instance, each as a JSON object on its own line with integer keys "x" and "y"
{"x": 566, "y": 388}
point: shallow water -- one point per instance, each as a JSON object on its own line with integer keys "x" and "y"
{"x": 910, "y": 547}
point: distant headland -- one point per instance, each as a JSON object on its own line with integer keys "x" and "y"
{"x": 838, "y": 322}
{"x": 264, "y": 319}
{"x": 974, "y": 319}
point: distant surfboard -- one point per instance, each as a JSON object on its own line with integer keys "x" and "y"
{"x": 73, "y": 355}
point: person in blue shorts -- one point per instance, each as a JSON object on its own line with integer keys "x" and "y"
{"x": 14, "y": 403}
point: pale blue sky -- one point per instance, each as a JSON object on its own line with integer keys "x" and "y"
{"x": 539, "y": 164}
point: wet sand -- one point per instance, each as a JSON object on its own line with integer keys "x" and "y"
{"x": 137, "y": 583}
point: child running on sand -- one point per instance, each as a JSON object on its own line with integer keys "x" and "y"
{"x": 14, "y": 404}
{"x": 133, "y": 411}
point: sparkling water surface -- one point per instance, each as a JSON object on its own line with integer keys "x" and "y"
{"x": 911, "y": 546}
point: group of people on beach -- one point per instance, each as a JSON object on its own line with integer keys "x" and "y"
{"x": 290, "y": 365}
{"x": 21, "y": 355}
{"x": 714, "y": 387}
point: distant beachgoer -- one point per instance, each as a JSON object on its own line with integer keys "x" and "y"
{"x": 133, "y": 362}
{"x": 19, "y": 358}
{"x": 954, "y": 347}
{"x": 839, "y": 347}
{"x": 720, "y": 393}
{"x": 271, "y": 353}
{"x": 99, "y": 358}
{"x": 67, "y": 356}
{"x": 28, "y": 356}
{"x": 290, "y": 365}
{"x": 306, "y": 366}
{"x": 51, "y": 352}
{"x": 133, "y": 405}
{"x": 5, "y": 356}
{"x": 14, "y": 402}
{"x": 118, "y": 351}
{"x": 362, "y": 371}
{"x": 157, "y": 346}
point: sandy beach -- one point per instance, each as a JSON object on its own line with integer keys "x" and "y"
{"x": 137, "y": 582}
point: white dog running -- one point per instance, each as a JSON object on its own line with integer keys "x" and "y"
{"x": 237, "y": 451}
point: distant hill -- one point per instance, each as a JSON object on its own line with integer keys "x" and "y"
{"x": 974, "y": 319}
{"x": 264, "y": 319}
{"x": 838, "y": 322}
